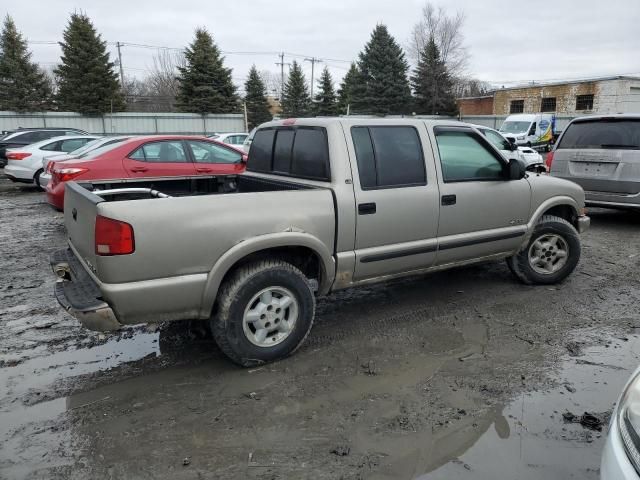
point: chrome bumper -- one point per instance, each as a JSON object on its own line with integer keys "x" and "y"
{"x": 79, "y": 295}
{"x": 583, "y": 224}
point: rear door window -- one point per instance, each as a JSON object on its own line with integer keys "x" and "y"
{"x": 161, "y": 152}
{"x": 621, "y": 134}
{"x": 389, "y": 157}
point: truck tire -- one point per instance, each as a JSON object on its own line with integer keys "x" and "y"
{"x": 265, "y": 312}
{"x": 551, "y": 255}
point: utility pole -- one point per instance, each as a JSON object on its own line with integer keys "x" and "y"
{"x": 281, "y": 63}
{"x": 118, "y": 45}
{"x": 313, "y": 61}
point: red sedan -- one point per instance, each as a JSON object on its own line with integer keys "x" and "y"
{"x": 142, "y": 157}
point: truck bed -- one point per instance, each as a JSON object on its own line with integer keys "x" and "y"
{"x": 178, "y": 240}
{"x": 191, "y": 186}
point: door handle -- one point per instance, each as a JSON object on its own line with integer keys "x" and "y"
{"x": 203, "y": 170}
{"x": 366, "y": 208}
{"x": 139, "y": 169}
{"x": 448, "y": 200}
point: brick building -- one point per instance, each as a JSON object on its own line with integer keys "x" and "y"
{"x": 620, "y": 94}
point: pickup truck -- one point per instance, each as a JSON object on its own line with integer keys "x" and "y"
{"x": 325, "y": 204}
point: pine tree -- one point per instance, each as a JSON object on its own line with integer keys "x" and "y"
{"x": 87, "y": 80}
{"x": 432, "y": 83}
{"x": 23, "y": 86}
{"x": 295, "y": 98}
{"x": 256, "y": 99}
{"x": 204, "y": 83}
{"x": 347, "y": 87}
{"x": 325, "y": 100}
{"x": 382, "y": 88}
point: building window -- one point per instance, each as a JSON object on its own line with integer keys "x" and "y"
{"x": 584, "y": 102}
{"x": 517, "y": 106}
{"x": 548, "y": 104}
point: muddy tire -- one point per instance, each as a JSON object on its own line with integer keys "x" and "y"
{"x": 551, "y": 255}
{"x": 265, "y": 312}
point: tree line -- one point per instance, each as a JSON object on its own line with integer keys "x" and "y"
{"x": 379, "y": 82}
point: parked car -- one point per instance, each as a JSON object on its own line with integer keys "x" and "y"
{"x": 509, "y": 149}
{"x": 327, "y": 204}
{"x": 26, "y": 136}
{"x": 621, "y": 454}
{"x": 144, "y": 157}
{"x": 47, "y": 161}
{"x": 24, "y": 164}
{"x": 247, "y": 141}
{"x": 536, "y": 130}
{"x": 230, "y": 138}
{"x": 602, "y": 155}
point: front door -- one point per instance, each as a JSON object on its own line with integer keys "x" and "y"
{"x": 162, "y": 158}
{"x": 482, "y": 212}
{"x": 396, "y": 200}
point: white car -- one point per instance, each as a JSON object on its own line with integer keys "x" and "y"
{"x": 230, "y": 138}
{"x": 24, "y": 164}
{"x": 528, "y": 155}
{"x": 45, "y": 174}
{"x": 621, "y": 454}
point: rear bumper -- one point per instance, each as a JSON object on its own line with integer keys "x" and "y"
{"x": 44, "y": 180}
{"x": 612, "y": 200}
{"x": 79, "y": 295}
{"x": 18, "y": 173}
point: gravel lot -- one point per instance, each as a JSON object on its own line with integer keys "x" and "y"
{"x": 461, "y": 374}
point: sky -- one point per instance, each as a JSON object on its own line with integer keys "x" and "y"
{"x": 508, "y": 42}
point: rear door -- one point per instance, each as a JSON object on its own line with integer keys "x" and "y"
{"x": 600, "y": 155}
{"x": 212, "y": 159}
{"x": 396, "y": 199}
{"x": 482, "y": 212}
{"x": 160, "y": 158}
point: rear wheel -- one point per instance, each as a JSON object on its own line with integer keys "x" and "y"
{"x": 551, "y": 255}
{"x": 265, "y": 311}
{"x": 36, "y": 178}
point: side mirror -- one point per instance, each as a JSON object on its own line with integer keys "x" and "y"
{"x": 512, "y": 143}
{"x": 517, "y": 169}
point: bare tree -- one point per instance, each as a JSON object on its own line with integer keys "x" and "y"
{"x": 272, "y": 81}
{"x": 162, "y": 81}
{"x": 471, "y": 87}
{"x": 447, "y": 32}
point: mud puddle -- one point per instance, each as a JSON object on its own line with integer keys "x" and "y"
{"x": 530, "y": 439}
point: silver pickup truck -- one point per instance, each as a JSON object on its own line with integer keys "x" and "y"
{"x": 325, "y": 204}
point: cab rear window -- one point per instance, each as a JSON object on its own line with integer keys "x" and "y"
{"x": 301, "y": 152}
{"x": 602, "y": 133}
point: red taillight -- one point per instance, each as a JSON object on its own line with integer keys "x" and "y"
{"x": 66, "y": 174}
{"x": 113, "y": 237}
{"x": 549, "y": 160}
{"x": 17, "y": 155}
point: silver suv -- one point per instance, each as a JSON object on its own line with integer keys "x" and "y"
{"x": 602, "y": 155}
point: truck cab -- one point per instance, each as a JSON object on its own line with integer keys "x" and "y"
{"x": 536, "y": 130}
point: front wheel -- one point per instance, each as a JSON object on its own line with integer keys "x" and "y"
{"x": 551, "y": 255}
{"x": 265, "y": 311}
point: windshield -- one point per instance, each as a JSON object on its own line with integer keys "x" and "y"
{"x": 498, "y": 140}
{"x": 87, "y": 146}
{"x": 88, "y": 155}
{"x": 515, "y": 127}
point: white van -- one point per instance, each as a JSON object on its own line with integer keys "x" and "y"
{"x": 535, "y": 130}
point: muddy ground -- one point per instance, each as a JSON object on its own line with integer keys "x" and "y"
{"x": 462, "y": 374}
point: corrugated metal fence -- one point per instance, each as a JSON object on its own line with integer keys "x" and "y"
{"x": 128, "y": 123}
